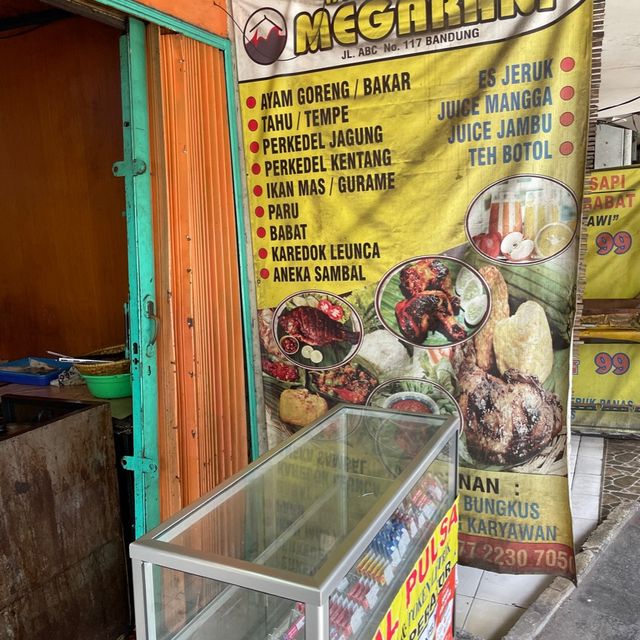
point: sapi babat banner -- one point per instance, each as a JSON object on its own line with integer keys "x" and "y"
{"x": 612, "y": 221}
{"x": 414, "y": 173}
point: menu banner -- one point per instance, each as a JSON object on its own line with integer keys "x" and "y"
{"x": 612, "y": 221}
{"x": 513, "y": 523}
{"x": 415, "y": 172}
{"x": 606, "y": 386}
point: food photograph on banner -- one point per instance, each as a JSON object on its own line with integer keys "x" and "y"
{"x": 415, "y": 178}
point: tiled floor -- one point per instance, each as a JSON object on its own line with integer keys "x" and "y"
{"x": 621, "y": 474}
{"x": 488, "y": 604}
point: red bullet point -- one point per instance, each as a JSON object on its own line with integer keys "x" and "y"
{"x": 566, "y": 119}
{"x": 263, "y": 253}
{"x": 259, "y": 212}
{"x": 251, "y": 102}
{"x": 567, "y": 64}
{"x": 254, "y": 146}
{"x": 253, "y": 125}
{"x": 257, "y": 190}
{"x": 261, "y": 232}
{"x": 566, "y": 148}
{"x": 264, "y": 273}
{"x": 566, "y": 93}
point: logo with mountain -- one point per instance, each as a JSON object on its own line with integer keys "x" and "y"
{"x": 265, "y": 36}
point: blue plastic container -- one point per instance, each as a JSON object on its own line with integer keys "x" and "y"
{"x": 40, "y": 379}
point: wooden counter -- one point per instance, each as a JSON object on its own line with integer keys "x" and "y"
{"x": 120, "y": 407}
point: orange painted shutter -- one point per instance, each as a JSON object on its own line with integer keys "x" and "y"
{"x": 203, "y": 417}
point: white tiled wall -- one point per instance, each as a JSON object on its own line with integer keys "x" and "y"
{"x": 488, "y": 604}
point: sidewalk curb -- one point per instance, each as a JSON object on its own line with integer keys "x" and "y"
{"x": 465, "y": 635}
{"x": 533, "y": 621}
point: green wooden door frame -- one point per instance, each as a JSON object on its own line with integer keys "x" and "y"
{"x": 140, "y": 248}
{"x": 134, "y": 168}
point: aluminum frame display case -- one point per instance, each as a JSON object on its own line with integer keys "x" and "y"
{"x": 313, "y": 540}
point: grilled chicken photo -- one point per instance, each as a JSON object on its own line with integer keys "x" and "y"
{"x": 507, "y": 419}
{"x": 430, "y": 304}
{"x": 313, "y": 327}
{"x": 425, "y": 275}
{"x": 428, "y": 311}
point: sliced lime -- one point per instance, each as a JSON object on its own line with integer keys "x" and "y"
{"x": 552, "y": 238}
{"x": 306, "y": 351}
{"x": 464, "y": 277}
{"x": 316, "y": 356}
{"x": 472, "y": 289}
{"x": 474, "y": 309}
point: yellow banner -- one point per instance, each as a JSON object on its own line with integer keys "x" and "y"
{"x": 414, "y": 174}
{"x": 423, "y": 607}
{"x": 612, "y": 209}
{"x": 606, "y": 386}
{"x": 348, "y": 168}
{"x": 509, "y": 523}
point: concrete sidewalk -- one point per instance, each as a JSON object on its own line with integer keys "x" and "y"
{"x": 606, "y": 603}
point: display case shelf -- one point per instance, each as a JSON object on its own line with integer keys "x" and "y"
{"x": 313, "y": 540}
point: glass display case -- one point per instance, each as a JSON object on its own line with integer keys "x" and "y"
{"x": 322, "y": 538}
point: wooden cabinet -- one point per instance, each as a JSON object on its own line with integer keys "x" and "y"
{"x": 62, "y": 557}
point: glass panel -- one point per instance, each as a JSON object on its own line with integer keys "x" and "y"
{"x": 364, "y": 595}
{"x": 312, "y": 494}
{"x": 187, "y": 607}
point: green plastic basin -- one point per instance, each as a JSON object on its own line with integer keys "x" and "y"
{"x": 116, "y": 386}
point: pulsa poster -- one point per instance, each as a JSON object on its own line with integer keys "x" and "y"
{"x": 415, "y": 172}
{"x": 423, "y": 606}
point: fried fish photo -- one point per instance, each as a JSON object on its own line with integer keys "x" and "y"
{"x": 317, "y": 330}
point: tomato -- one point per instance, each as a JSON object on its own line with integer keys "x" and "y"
{"x": 336, "y": 312}
{"x": 325, "y": 305}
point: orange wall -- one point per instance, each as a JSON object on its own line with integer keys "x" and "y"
{"x": 207, "y": 14}
{"x": 63, "y": 242}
